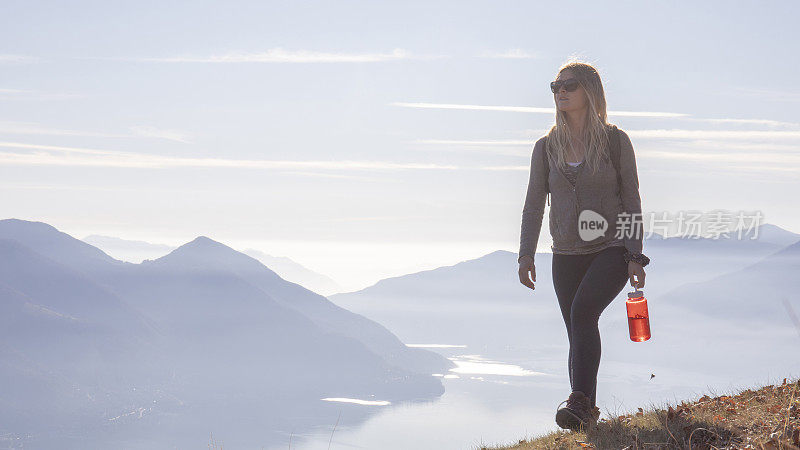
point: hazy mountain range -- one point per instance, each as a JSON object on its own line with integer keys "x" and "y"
{"x": 490, "y": 277}
{"x": 208, "y": 335}
{"x": 86, "y": 338}
{"x": 713, "y": 303}
{"x": 288, "y": 269}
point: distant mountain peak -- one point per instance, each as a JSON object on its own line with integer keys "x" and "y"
{"x": 199, "y": 246}
{"x": 205, "y": 241}
{"x": 764, "y": 233}
{"x": 205, "y": 252}
{"x": 48, "y": 240}
{"x": 32, "y": 224}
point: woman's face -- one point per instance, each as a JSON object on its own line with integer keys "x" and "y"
{"x": 570, "y": 101}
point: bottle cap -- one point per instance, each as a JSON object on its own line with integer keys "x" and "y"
{"x": 636, "y": 294}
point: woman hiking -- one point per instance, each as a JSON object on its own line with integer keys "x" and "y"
{"x": 588, "y": 167}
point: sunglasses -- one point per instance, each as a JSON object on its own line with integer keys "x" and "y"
{"x": 570, "y": 84}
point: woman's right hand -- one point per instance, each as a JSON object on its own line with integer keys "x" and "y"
{"x": 527, "y": 271}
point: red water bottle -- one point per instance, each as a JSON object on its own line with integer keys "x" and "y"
{"x": 638, "y": 319}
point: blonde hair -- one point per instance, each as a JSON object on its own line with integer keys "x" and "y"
{"x": 596, "y": 134}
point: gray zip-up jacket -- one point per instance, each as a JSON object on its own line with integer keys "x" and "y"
{"x": 599, "y": 192}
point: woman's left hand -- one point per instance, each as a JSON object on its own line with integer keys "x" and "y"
{"x": 636, "y": 269}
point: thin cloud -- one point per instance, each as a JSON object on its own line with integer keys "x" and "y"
{"x": 515, "y": 53}
{"x": 764, "y": 174}
{"x": 526, "y": 109}
{"x": 73, "y": 156}
{"x": 279, "y": 55}
{"x": 30, "y": 94}
{"x": 767, "y": 122}
{"x": 658, "y": 114}
{"x": 474, "y": 107}
{"x": 755, "y": 162}
{"x": 103, "y": 188}
{"x": 337, "y": 176}
{"x": 698, "y": 135}
{"x": 480, "y": 143}
{"x": 17, "y": 59}
{"x": 713, "y": 134}
{"x": 754, "y": 157}
{"x": 37, "y": 129}
{"x": 504, "y": 168}
{"x": 707, "y": 150}
{"x": 494, "y": 147}
{"x": 68, "y": 156}
{"x": 368, "y": 219}
{"x": 780, "y": 169}
{"x": 744, "y": 146}
{"x": 775, "y": 95}
{"x": 153, "y": 132}
{"x": 32, "y": 128}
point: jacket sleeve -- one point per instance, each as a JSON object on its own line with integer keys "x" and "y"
{"x": 629, "y": 193}
{"x": 533, "y": 211}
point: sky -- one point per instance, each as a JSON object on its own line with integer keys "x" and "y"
{"x": 373, "y": 139}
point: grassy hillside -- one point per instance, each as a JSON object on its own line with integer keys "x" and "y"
{"x": 766, "y": 418}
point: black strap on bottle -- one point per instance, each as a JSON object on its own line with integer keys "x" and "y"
{"x": 615, "y": 152}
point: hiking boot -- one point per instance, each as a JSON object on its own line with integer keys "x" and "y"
{"x": 578, "y": 414}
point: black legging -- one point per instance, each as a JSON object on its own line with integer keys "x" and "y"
{"x": 585, "y": 285}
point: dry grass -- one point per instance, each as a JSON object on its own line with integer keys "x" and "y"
{"x": 767, "y": 418}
